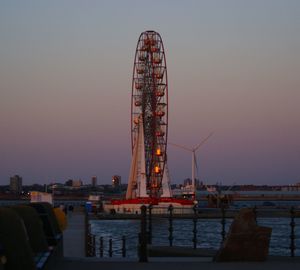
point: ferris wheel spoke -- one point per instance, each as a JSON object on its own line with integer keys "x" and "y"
{"x": 150, "y": 105}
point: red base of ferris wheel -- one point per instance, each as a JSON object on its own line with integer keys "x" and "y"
{"x": 153, "y": 201}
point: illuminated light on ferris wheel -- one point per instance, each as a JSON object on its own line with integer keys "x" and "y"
{"x": 149, "y": 108}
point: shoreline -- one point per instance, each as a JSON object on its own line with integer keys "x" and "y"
{"x": 213, "y": 213}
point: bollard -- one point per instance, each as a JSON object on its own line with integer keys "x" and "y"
{"x": 123, "y": 246}
{"x": 195, "y": 219}
{"x": 292, "y": 236}
{"x": 223, "y": 222}
{"x": 150, "y": 224}
{"x": 143, "y": 256}
{"x": 255, "y": 213}
{"x": 101, "y": 247}
{"x": 170, "y": 209}
{"x": 110, "y": 251}
{"x": 86, "y": 234}
{"x": 88, "y": 243}
{"x": 93, "y": 246}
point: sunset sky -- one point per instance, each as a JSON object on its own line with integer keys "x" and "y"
{"x": 65, "y": 88}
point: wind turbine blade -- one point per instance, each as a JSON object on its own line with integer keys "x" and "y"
{"x": 181, "y": 146}
{"x": 203, "y": 141}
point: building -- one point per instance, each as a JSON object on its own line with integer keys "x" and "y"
{"x": 94, "y": 181}
{"x": 16, "y": 184}
{"x": 36, "y": 196}
{"x": 76, "y": 183}
{"x": 295, "y": 187}
{"x": 116, "y": 181}
{"x": 73, "y": 183}
{"x": 188, "y": 182}
{"x": 69, "y": 183}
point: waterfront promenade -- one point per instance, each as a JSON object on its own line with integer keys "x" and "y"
{"x": 74, "y": 257}
{"x": 74, "y": 243}
{"x": 174, "y": 264}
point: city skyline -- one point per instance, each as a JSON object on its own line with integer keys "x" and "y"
{"x": 65, "y": 88}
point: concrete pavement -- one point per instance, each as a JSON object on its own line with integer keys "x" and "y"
{"x": 74, "y": 244}
{"x": 175, "y": 264}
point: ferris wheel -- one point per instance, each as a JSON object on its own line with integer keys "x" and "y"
{"x": 149, "y": 106}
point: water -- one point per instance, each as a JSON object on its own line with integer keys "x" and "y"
{"x": 208, "y": 236}
{"x": 244, "y": 203}
{"x": 56, "y": 202}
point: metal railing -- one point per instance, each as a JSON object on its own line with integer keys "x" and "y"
{"x": 102, "y": 247}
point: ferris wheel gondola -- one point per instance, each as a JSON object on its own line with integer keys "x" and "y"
{"x": 149, "y": 106}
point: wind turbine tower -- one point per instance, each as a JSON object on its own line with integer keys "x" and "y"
{"x": 194, "y": 158}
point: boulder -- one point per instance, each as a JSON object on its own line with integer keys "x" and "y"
{"x": 245, "y": 240}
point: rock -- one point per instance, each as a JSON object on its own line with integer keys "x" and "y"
{"x": 245, "y": 240}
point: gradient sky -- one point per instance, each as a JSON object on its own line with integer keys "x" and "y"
{"x": 65, "y": 88}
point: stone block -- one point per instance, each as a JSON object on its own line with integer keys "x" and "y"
{"x": 245, "y": 240}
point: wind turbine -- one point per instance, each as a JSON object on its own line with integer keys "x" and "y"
{"x": 194, "y": 158}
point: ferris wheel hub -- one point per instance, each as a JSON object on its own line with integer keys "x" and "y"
{"x": 149, "y": 115}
